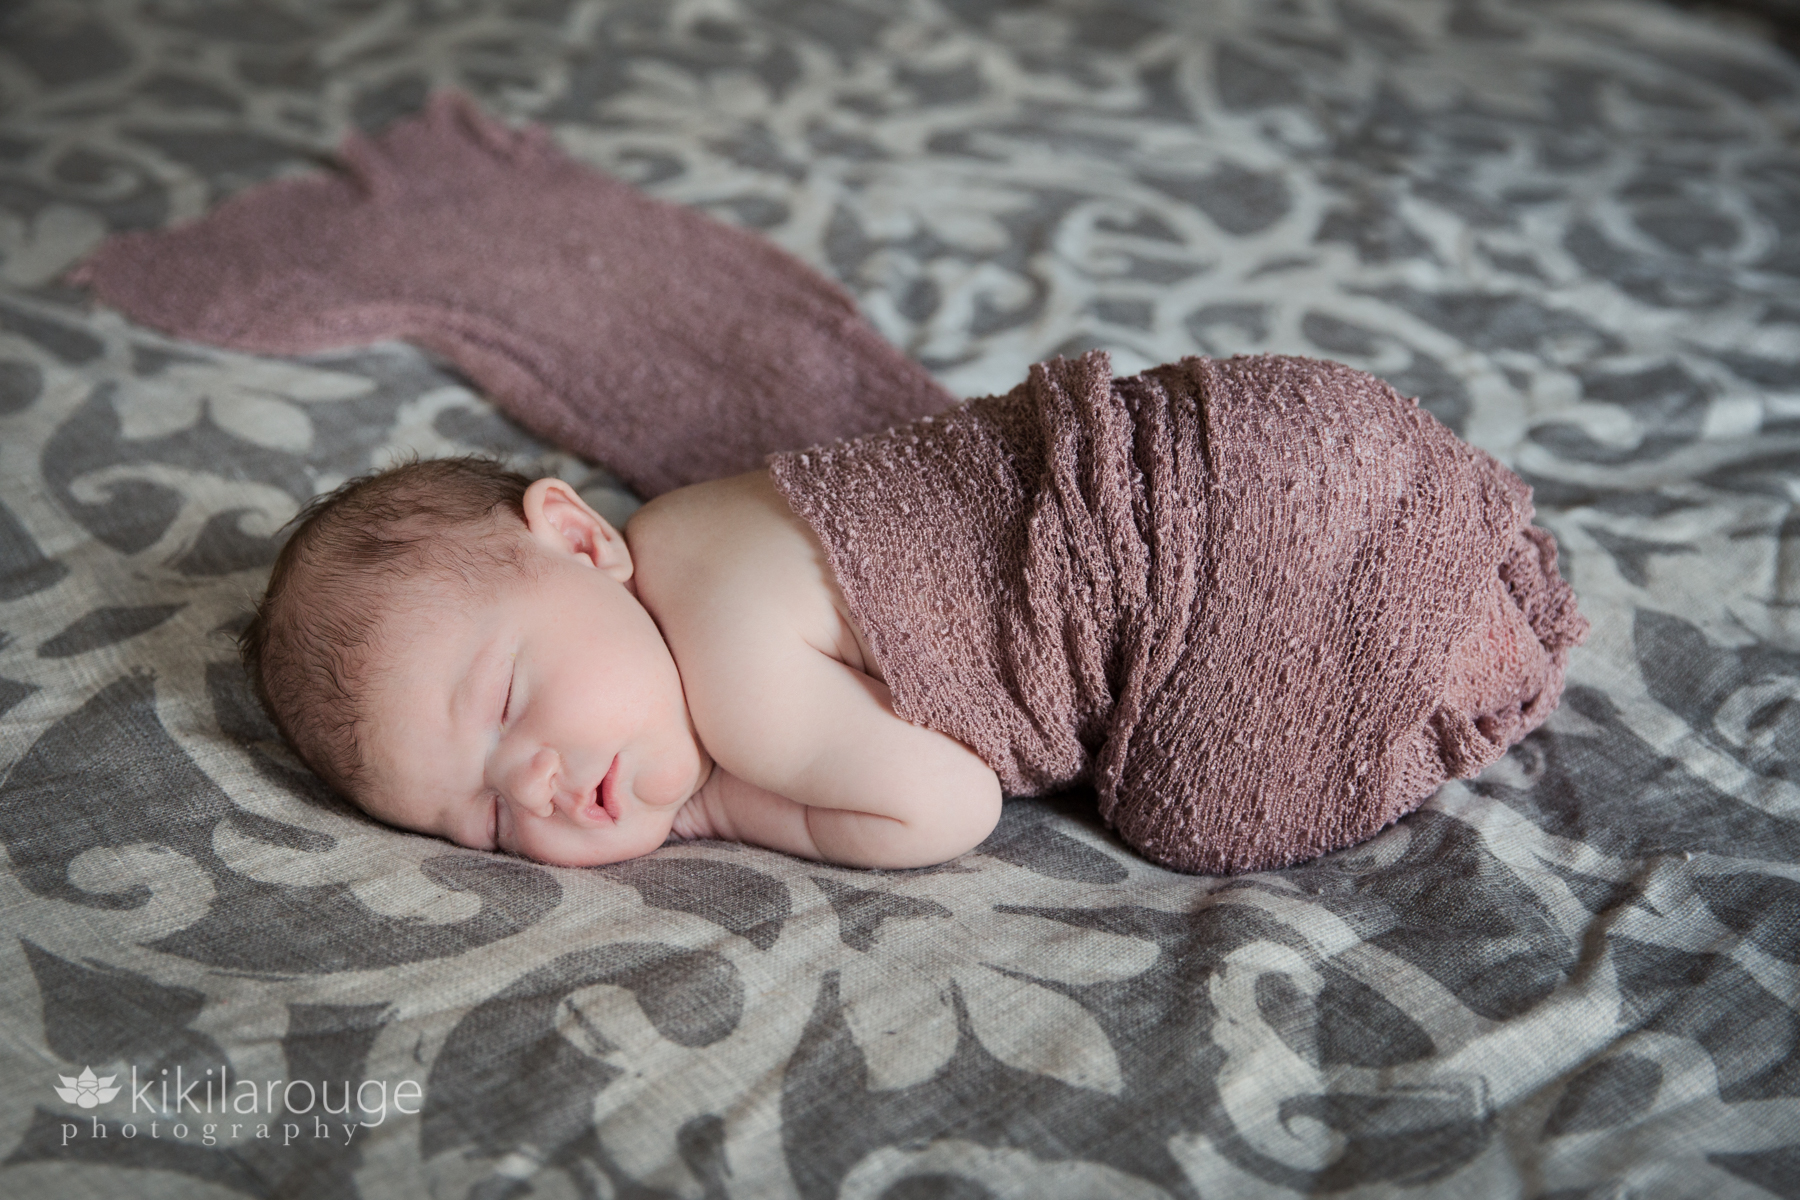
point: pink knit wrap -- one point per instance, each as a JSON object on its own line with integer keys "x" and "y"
{"x": 1264, "y": 605}
{"x": 644, "y": 335}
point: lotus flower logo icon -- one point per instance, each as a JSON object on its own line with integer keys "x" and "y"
{"x": 87, "y": 1089}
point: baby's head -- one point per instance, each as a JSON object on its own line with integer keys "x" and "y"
{"x": 460, "y": 651}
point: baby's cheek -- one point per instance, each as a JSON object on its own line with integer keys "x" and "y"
{"x": 670, "y": 782}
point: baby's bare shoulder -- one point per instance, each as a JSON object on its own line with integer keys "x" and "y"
{"x": 727, "y": 560}
{"x": 707, "y": 525}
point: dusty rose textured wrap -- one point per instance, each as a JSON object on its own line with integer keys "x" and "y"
{"x": 643, "y": 335}
{"x": 1264, "y": 605}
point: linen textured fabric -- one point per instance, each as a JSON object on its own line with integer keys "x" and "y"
{"x": 1265, "y": 605}
{"x": 643, "y": 335}
{"x": 1575, "y": 976}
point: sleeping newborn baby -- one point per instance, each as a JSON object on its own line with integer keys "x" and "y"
{"x": 1263, "y": 605}
{"x": 466, "y": 653}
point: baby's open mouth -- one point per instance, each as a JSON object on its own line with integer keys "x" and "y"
{"x": 604, "y": 800}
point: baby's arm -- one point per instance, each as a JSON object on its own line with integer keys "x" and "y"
{"x": 810, "y": 755}
{"x": 820, "y": 766}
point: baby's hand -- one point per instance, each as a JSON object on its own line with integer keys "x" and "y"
{"x": 695, "y": 821}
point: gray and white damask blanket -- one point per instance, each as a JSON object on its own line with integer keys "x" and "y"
{"x": 1569, "y": 227}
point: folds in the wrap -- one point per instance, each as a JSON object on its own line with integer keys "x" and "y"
{"x": 1264, "y": 605}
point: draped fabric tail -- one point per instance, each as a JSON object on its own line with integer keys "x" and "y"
{"x": 668, "y": 346}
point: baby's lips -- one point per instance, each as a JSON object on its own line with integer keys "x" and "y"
{"x": 604, "y": 794}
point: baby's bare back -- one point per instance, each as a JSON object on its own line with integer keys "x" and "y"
{"x": 787, "y": 698}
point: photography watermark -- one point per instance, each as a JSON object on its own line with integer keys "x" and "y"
{"x": 215, "y": 1106}
{"x": 86, "y": 1089}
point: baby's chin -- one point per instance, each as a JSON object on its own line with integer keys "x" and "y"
{"x": 598, "y": 847}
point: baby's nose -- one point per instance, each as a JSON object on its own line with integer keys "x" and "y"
{"x": 532, "y": 786}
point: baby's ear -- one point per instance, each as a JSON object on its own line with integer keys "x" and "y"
{"x": 563, "y": 523}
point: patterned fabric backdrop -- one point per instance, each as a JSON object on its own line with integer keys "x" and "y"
{"x": 1572, "y": 228}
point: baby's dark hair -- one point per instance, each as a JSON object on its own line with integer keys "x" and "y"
{"x": 307, "y": 647}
